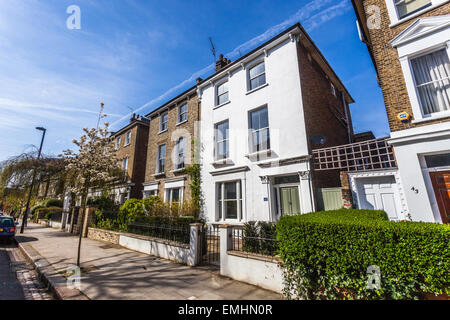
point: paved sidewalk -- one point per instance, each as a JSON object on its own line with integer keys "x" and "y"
{"x": 112, "y": 272}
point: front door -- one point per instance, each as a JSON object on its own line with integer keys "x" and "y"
{"x": 441, "y": 186}
{"x": 290, "y": 201}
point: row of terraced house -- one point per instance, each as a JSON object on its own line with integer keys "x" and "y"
{"x": 273, "y": 133}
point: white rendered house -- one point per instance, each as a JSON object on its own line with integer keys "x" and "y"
{"x": 258, "y": 116}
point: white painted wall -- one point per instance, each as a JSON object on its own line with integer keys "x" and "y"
{"x": 282, "y": 95}
{"x": 410, "y": 147}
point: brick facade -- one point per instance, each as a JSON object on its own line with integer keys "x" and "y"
{"x": 136, "y": 152}
{"x": 169, "y": 137}
{"x": 385, "y": 57}
{"x": 324, "y": 113}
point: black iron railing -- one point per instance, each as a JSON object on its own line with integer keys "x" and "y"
{"x": 56, "y": 216}
{"x": 179, "y": 233}
{"x": 253, "y": 244}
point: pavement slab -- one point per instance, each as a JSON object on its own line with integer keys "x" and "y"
{"x": 116, "y": 273}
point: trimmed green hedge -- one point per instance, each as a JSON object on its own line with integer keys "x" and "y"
{"x": 326, "y": 256}
{"x": 54, "y": 203}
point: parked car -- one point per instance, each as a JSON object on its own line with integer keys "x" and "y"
{"x": 7, "y": 228}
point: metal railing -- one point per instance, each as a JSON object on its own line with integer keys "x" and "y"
{"x": 360, "y": 156}
{"x": 253, "y": 244}
{"x": 56, "y": 216}
{"x": 180, "y": 233}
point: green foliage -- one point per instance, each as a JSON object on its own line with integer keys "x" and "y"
{"x": 259, "y": 237}
{"x": 54, "y": 203}
{"x": 326, "y": 256}
{"x": 196, "y": 190}
{"x": 102, "y": 203}
{"x": 46, "y": 213}
{"x": 130, "y": 210}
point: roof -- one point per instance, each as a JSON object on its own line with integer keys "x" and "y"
{"x": 296, "y": 27}
{"x": 133, "y": 122}
{"x": 181, "y": 95}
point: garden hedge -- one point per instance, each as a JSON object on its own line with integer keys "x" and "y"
{"x": 327, "y": 255}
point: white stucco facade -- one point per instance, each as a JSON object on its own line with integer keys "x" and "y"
{"x": 288, "y": 153}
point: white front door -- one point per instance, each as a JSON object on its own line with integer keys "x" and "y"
{"x": 379, "y": 193}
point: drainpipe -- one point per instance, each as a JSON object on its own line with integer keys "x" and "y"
{"x": 346, "y": 111}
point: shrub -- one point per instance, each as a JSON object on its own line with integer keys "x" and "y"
{"x": 327, "y": 255}
{"x": 259, "y": 237}
{"x": 102, "y": 203}
{"x": 46, "y": 213}
{"x": 54, "y": 203}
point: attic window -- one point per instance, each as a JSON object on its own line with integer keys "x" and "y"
{"x": 408, "y": 7}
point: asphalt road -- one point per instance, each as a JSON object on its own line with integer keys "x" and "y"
{"x": 18, "y": 280}
{"x": 10, "y": 286}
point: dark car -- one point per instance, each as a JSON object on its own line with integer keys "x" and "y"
{"x": 7, "y": 228}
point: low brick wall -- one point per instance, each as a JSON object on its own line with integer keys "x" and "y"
{"x": 104, "y": 235}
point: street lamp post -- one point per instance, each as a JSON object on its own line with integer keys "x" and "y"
{"x": 25, "y": 215}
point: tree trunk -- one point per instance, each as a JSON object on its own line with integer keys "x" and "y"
{"x": 83, "y": 209}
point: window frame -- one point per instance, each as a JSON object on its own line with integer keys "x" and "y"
{"x": 162, "y": 122}
{"x": 159, "y": 159}
{"x": 177, "y": 149}
{"x": 217, "y": 141}
{"x": 251, "y": 66}
{"x": 218, "y": 85}
{"x": 180, "y": 114}
{"x": 411, "y": 85}
{"x": 395, "y": 18}
{"x": 128, "y": 136}
{"x": 118, "y": 142}
{"x": 169, "y": 195}
{"x": 220, "y": 201}
{"x": 125, "y": 161}
{"x": 252, "y": 131}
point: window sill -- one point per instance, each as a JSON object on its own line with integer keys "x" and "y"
{"x": 221, "y": 105}
{"x": 180, "y": 123}
{"x": 222, "y": 162}
{"x": 256, "y": 89}
{"x": 178, "y": 170}
{"x": 162, "y": 131}
{"x": 415, "y": 15}
{"x": 266, "y": 153}
{"x": 126, "y": 145}
{"x": 158, "y": 174}
{"x": 437, "y": 116}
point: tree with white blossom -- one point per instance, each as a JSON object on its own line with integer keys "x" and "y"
{"x": 93, "y": 166}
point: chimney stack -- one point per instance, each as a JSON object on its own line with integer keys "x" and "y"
{"x": 222, "y": 62}
{"x": 199, "y": 80}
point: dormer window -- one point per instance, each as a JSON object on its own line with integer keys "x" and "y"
{"x": 222, "y": 93}
{"x": 408, "y": 7}
{"x": 257, "y": 76}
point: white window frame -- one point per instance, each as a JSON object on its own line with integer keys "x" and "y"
{"x": 252, "y": 65}
{"x": 150, "y": 193}
{"x": 226, "y": 92}
{"x": 394, "y": 17}
{"x": 168, "y": 196}
{"x": 158, "y": 159}
{"x": 251, "y": 131}
{"x": 127, "y": 138}
{"x": 177, "y": 150}
{"x": 118, "y": 141}
{"x": 161, "y": 122}
{"x": 220, "y": 197}
{"x": 217, "y": 141}
{"x": 408, "y": 53}
{"x": 180, "y": 114}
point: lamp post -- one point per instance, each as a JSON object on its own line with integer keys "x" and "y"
{"x": 25, "y": 215}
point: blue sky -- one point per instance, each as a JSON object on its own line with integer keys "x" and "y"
{"x": 137, "y": 54}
